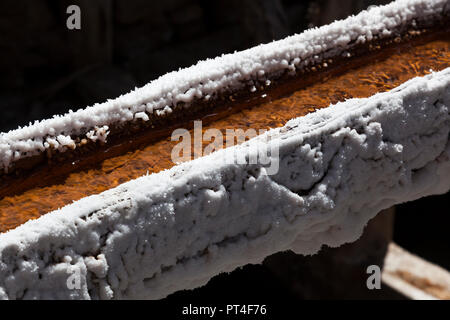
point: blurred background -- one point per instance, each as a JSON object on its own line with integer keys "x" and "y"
{"x": 47, "y": 69}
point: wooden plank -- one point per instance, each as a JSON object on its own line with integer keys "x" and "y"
{"x": 413, "y": 276}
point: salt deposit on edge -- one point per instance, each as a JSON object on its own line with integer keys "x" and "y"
{"x": 176, "y": 229}
{"x": 211, "y": 77}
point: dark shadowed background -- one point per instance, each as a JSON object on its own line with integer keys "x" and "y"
{"x": 47, "y": 69}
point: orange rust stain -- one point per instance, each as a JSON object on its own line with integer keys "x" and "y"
{"x": 383, "y": 74}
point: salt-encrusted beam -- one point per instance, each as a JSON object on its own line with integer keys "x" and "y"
{"x": 209, "y": 79}
{"x": 176, "y": 229}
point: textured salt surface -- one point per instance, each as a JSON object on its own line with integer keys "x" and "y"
{"x": 211, "y": 77}
{"x": 176, "y": 229}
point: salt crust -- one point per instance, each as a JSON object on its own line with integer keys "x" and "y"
{"x": 211, "y": 77}
{"x": 174, "y": 230}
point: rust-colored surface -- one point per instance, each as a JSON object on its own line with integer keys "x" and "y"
{"x": 434, "y": 289}
{"x": 377, "y": 73}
